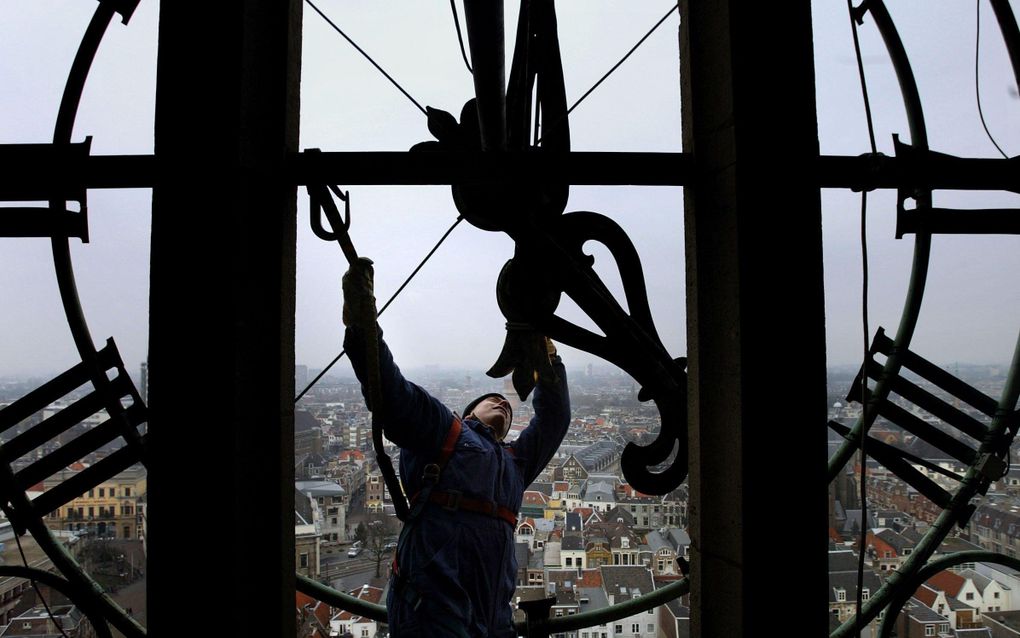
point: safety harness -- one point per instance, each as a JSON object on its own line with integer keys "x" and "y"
{"x": 452, "y": 500}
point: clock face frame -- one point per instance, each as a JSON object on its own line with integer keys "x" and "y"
{"x": 104, "y": 370}
{"x": 974, "y": 430}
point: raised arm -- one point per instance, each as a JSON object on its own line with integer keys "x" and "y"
{"x": 411, "y": 417}
{"x": 537, "y": 444}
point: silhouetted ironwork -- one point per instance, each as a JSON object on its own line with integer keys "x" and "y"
{"x": 988, "y": 462}
{"x": 549, "y": 259}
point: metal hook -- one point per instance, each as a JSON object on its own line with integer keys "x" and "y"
{"x": 320, "y": 200}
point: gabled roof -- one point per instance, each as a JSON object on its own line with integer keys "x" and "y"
{"x": 923, "y": 613}
{"x": 572, "y": 542}
{"x": 572, "y": 521}
{"x": 617, "y": 513}
{"x": 948, "y": 582}
{"x": 366, "y": 593}
{"x": 843, "y": 561}
{"x": 316, "y": 488}
{"x": 304, "y": 420}
{"x": 624, "y": 582}
{"x": 980, "y": 580}
{"x": 895, "y": 540}
{"x": 678, "y": 537}
{"x": 927, "y": 595}
{"x": 532, "y": 497}
{"x": 847, "y": 582}
{"x": 544, "y": 487}
{"x": 980, "y": 632}
{"x": 317, "y": 608}
{"x": 527, "y": 520}
{"x": 656, "y": 542}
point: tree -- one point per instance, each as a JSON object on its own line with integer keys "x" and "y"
{"x": 381, "y": 540}
{"x": 361, "y": 533}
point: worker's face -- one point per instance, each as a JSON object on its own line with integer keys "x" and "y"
{"x": 494, "y": 412}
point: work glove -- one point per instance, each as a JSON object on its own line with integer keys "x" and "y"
{"x": 528, "y": 356}
{"x": 359, "y": 294}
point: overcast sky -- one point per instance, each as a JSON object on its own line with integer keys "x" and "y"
{"x": 448, "y": 316}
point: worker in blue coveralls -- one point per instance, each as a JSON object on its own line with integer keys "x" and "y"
{"x": 455, "y": 567}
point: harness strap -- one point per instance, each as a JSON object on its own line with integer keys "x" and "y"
{"x": 453, "y": 501}
{"x": 429, "y": 479}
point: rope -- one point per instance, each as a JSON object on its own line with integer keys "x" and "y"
{"x": 367, "y": 57}
{"x": 866, "y": 329}
{"x": 977, "y": 79}
{"x": 634, "y": 48}
{"x": 460, "y": 37}
{"x": 385, "y": 305}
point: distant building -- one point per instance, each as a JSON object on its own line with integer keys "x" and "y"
{"x": 329, "y": 502}
{"x": 109, "y": 510}
{"x": 58, "y": 620}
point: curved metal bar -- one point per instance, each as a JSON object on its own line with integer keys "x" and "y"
{"x": 579, "y": 227}
{"x": 922, "y": 241}
{"x": 1002, "y": 427}
{"x": 1010, "y": 34}
{"x": 630, "y": 343}
{"x": 56, "y": 582}
{"x": 63, "y": 129}
{"x": 75, "y": 575}
{"x": 339, "y": 599}
{"x": 916, "y": 580}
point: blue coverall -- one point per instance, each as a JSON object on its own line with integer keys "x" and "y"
{"x": 457, "y": 569}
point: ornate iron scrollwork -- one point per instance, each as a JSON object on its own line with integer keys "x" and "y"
{"x": 549, "y": 259}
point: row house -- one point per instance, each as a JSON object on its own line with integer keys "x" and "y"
{"x": 989, "y": 594}
{"x": 843, "y": 579}
{"x": 996, "y": 527}
{"x": 680, "y": 541}
{"x": 917, "y": 620}
{"x": 585, "y": 590}
{"x": 572, "y": 551}
{"x": 623, "y": 583}
{"x": 887, "y": 549}
{"x": 312, "y": 617}
{"x": 661, "y": 555}
{"x": 329, "y": 508}
{"x": 307, "y": 557}
{"x": 961, "y": 596}
{"x": 598, "y": 552}
{"x": 571, "y": 470}
{"x": 57, "y": 620}
{"x": 346, "y": 622}
{"x": 1008, "y": 578}
{"x": 641, "y": 508}
{"x": 376, "y": 493}
{"x": 108, "y": 510}
{"x": 626, "y": 550}
{"x": 599, "y": 495}
{"x": 674, "y": 619}
{"x": 959, "y": 614}
{"x": 536, "y": 504}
